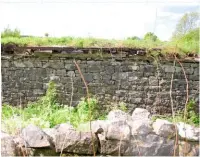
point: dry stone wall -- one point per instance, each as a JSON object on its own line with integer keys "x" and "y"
{"x": 137, "y": 82}
{"x": 119, "y": 135}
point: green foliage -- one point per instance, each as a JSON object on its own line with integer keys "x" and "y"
{"x": 46, "y": 112}
{"x": 188, "y": 42}
{"x": 183, "y": 45}
{"x": 191, "y": 116}
{"x": 188, "y": 22}
{"x": 46, "y": 34}
{"x": 10, "y": 33}
{"x": 122, "y": 106}
{"x": 150, "y": 36}
{"x": 133, "y": 38}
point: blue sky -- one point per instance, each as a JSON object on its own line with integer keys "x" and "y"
{"x": 97, "y": 18}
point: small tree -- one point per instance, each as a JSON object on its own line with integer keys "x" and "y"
{"x": 150, "y": 36}
{"x": 10, "y": 33}
{"x": 188, "y": 22}
{"x": 46, "y": 34}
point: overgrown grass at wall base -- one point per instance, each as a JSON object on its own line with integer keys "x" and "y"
{"x": 46, "y": 112}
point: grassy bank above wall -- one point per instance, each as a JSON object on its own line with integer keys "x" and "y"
{"x": 183, "y": 46}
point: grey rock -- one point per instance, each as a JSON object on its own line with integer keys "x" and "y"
{"x": 118, "y": 115}
{"x": 164, "y": 128}
{"x": 76, "y": 142}
{"x": 7, "y": 145}
{"x": 35, "y": 137}
{"x": 188, "y": 132}
{"x": 51, "y": 132}
{"x": 118, "y": 130}
{"x": 150, "y": 145}
{"x": 19, "y": 64}
{"x": 140, "y": 127}
{"x": 112, "y": 147}
{"x": 141, "y": 114}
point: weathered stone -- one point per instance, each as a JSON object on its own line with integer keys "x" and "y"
{"x": 71, "y": 74}
{"x": 118, "y": 130}
{"x": 140, "y": 127}
{"x": 112, "y": 147}
{"x": 106, "y": 76}
{"x": 35, "y": 137}
{"x": 7, "y": 145}
{"x": 133, "y": 67}
{"x": 141, "y": 114}
{"x": 150, "y": 145}
{"x": 153, "y": 81}
{"x": 5, "y": 64}
{"x": 188, "y": 132}
{"x": 76, "y": 142}
{"x": 19, "y": 64}
{"x": 21, "y": 147}
{"x": 56, "y": 64}
{"x": 164, "y": 128}
{"x": 118, "y": 115}
{"x": 51, "y": 132}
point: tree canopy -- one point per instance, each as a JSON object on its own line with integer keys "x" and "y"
{"x": 188, "y": 22}
{"x": 150, "y": 36}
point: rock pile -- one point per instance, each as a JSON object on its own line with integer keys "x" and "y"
{"x": 121, "y": 134}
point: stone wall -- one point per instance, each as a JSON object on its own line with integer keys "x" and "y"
{"x": 139, "y": 82}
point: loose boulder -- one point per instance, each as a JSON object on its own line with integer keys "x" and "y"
{"x": 140, "y": 127}
{"x": 164, "y": 128}
{"x": 112, "y": 147}
{"x": 73, "y": 141}
{"x": 35, "y": 137}
{"x": 118, "y": 115}
{"x": 141, "y": 114}
{"x": 150, "y": 145}
{"x": 118, "y": 130}
{"x": 7, "y": 145}
{"x": 188, "y": 132}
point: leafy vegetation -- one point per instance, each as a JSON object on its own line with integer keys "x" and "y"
{"x": 191, "y": 116}
{"x": 10, "y": 33}
{"x": 150, "y": 36}
{"x": 187, "y": 23}
{"x": 46, "y": 112}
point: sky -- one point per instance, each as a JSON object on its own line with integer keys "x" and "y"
{"x": 109, "y": 19}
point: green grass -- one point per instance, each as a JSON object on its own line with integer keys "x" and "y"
{"x": 47, "y": 113}
{"x": 80, "y": 42}
{"x": 181, "y": 46}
